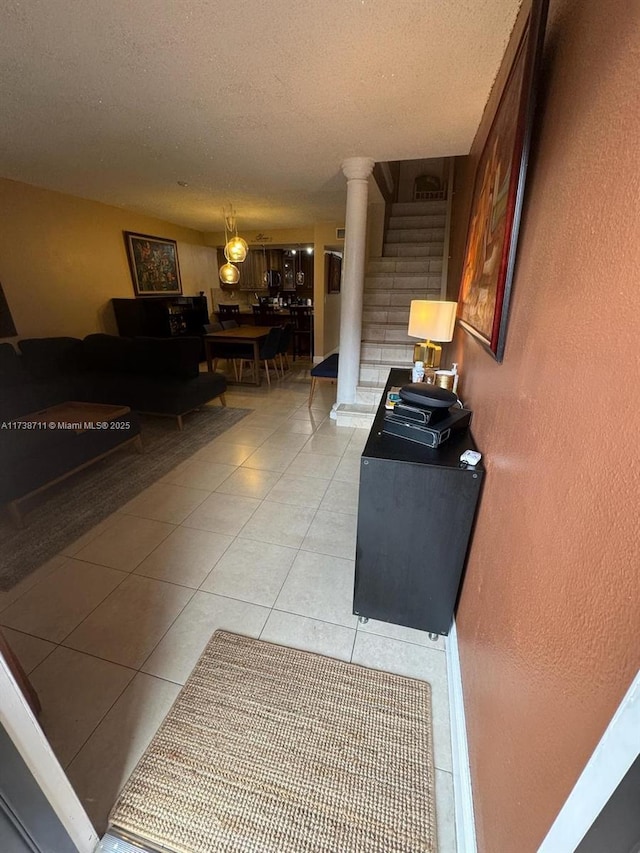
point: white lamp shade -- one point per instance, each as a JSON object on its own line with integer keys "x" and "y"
{"x": 432, "y": 321}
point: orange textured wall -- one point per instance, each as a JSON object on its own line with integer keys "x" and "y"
{"x": 548, "y": 619}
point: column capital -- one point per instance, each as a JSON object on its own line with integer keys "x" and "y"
{"x": 357, "y": 168}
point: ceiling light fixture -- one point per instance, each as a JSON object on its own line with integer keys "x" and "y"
{"x": 235, "y": 248}
{"x": 229, "y": 274}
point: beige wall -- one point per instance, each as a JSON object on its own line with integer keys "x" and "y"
{"x": 276, "y": 236}
{"x": 63, "y": 258}
{"x": 548, "y": 619}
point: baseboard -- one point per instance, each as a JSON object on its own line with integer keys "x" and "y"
{"x": 317, "y": 359}
{"x": 462, "y": 791}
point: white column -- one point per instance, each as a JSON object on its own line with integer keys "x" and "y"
{"x": 356, "y": 171}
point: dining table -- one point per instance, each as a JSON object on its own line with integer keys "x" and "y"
{"x": 241, "y": 335}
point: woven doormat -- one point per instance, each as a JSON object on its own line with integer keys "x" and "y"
{"x": 276, "y": 750}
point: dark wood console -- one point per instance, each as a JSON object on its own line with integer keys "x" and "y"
{"x": 161, "y": 316}
{"x": 415, "y": 516}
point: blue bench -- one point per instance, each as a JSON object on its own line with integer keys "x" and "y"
{"x": 327, "y": 369}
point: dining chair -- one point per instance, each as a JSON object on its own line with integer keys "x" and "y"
{"x": 227, "y": 311}
{"x": 268, "y": 352}
{"x": 302, "y": 317}
{"x": 227, "y": 352}
{"x": 285, "y": 342}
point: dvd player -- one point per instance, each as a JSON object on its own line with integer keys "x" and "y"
{"x": 431, "y": 434}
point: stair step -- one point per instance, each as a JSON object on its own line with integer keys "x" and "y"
{"x": 415, "y": 235}
{"x": 386, "y": 315}
{"x": 400, "y": 298}
{"x": 434, "y": 220}
{"x": 428, "y": 249}
{"x": 358, "y": 415}
{"x": 403, "y": 281}
{"x": 418, "y": 208}
{"x": 386, "y": 353}
{"x": 378, "y": 372}
{"x": 390, "y": 266}
{"x": 397, "y": 334}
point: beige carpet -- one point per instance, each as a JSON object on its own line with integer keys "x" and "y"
{"x": 276, "y": 750}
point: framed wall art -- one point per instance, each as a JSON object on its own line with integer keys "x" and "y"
{"x": 154, "y": 265}
{"x": 496, "y": 207}
{"x": 333, "y": 272}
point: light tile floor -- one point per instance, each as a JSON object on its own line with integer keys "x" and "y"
{"x": 256, "y": 534}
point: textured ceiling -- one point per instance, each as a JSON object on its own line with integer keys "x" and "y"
{"x": 252, "y": 101}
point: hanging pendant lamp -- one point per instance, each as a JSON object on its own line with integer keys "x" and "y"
{"x": 235, "y": 248}
{"x": 229, "y": 274}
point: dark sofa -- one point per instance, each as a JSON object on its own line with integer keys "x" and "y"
{"x": 159, "y": 376}
{"x": 151, "y": 375}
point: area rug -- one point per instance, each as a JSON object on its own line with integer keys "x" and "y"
{"x": 63, "y": 513}
{"x": 276, "y": 750}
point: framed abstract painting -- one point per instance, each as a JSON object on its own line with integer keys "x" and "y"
{"x": 154, "y": 265}
{"x": 496, "y": 206}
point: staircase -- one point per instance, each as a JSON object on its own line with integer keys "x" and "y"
{"x": 410, "y": 268}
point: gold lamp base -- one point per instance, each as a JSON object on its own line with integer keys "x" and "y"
{"x": 429, "y": 353}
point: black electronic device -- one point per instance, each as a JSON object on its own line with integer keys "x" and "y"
{"x": 402, "y": 412}
{"x": 427, "y": 396}
{"x": 431, "y": 435}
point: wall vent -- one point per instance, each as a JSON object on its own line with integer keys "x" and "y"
{"x": 340, "y": 233}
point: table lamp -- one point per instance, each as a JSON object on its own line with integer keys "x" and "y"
{"x": 431, "y": 321}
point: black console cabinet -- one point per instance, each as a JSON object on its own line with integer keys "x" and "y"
{"x": 161, "y": 317}
{"x": 415, "y": 514}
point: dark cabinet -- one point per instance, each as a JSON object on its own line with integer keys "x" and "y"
{"x": 161, "y": 317}
{"x": 415, "y": 515}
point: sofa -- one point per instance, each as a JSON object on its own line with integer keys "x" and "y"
{"x": 159, "y": 376}
{"x": 151, "y": 375}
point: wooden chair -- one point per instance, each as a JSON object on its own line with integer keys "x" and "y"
{"x": 302, "y": 317}
{"x": 327, "y": 369}
{"x": 265, "y": 315}
{"x": 228, "y": 312}
{"x": 268, "y": 352}
{"x": 227, "y": 352}
{"x": 285, "y": 343}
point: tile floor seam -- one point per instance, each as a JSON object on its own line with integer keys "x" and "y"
{"x": 110, "y": 518}
{"x": 35, "y": 583}
{"x": 132, "y": 570}
{"x": 313, "y": 618}
{"x": 62, "y": 641}
{"x": 128, "y": 575}
{"x": 169, "y": 627}
{"x": 353, "y": 644}
{"x": 93, "y": 730}
{"x": 33, "y": 636}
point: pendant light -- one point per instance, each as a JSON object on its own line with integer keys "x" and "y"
{"x": 229, "y": 274}
{"x": 235, "y": 248}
